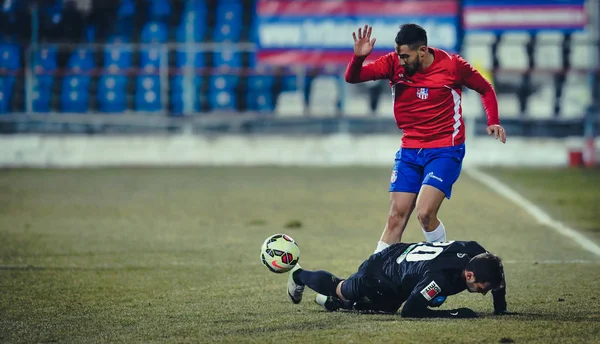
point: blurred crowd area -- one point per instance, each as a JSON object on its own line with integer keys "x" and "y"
{"x": 176, "y": 57}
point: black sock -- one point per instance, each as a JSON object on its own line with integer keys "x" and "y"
{"x": 322, "y": 282}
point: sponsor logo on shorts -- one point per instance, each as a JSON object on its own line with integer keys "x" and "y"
{"x": 431, "y": 175}
{"x": 394, "y": 176}
{"x": 431, "y": 290}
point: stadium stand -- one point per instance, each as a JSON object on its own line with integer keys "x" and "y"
{"x": 117, "y": 56}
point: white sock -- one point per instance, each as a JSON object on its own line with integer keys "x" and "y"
{"x": 437, "y": 235}
{"x": 381, "y": 246}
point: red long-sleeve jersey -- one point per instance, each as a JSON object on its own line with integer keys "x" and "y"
{"x": 427, "y": 105}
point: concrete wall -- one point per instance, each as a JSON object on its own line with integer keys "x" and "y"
{"x": 86, "y": 151}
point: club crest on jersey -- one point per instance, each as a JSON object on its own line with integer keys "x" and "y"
{"x": 394, "y": 176}
{"x": 431, "y": 290}
{"x": 422, "y": 93}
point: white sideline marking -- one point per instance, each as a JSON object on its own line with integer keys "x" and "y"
{"x": 537, "y": 213}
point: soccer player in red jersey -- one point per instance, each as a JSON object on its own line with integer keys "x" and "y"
{"x": 426, "y": 87}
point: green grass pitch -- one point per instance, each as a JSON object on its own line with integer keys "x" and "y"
{"x": 172, "y": 255}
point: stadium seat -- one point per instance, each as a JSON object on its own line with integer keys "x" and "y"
{"x": 4, "y": 102}
{"x": 148, "y": 83}
{"x": 116, "y": 83}
{"x": 117, "y": 57}
{"x": 222, "y": 100}
{"x": 112, "y": 101}
{"x": 260, "y": 101}
{"x": 477, "y": 50}
{"x": 154, "y": 32}
{"x": 223, "y": 82}
{"x": 10, "y": 57}
{"x": 584, "y": 55}
{"x": 74, "y": 100}
{"x": 548, "y": 50}
{"x": 260, "y": 83}
{"x": 512, "y": 53}
{"x": 43, "y": 82}
{"x": 150, "y": 58}
{"x": 78, "y": 83}
{"x": 228, "y": 12}
{"x": 148, "y": 100}
{"x": 227, "y": 32}
{"x": 6, "y": 91}
{"x": 45, "y": 59}
{"x": 81, "y": 60}
{"x": 158, "y": 9}
{"x": 540, "y": 105}
{"x": 41, "y": 101}
{"x": 576, "y": 97}
{"x": 227, "y": 58}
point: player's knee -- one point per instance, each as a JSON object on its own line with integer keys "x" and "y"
{"x": 397, "y": 216}
{"x": 426, "y": 216}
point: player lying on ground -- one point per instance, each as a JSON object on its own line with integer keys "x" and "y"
{"x": 419, "y": 275}
{"x": 426, "y": 85}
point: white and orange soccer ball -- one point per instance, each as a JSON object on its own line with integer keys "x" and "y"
{"x": 279, "y": 253}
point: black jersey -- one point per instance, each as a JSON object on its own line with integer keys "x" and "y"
{"x": 413, "y": 274}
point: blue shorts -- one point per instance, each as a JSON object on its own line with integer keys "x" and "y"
{"x": 438, "y": 167}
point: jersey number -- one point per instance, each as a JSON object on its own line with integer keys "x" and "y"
{"x": 423, "y": 251}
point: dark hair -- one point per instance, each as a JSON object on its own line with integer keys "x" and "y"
{"x": 412, "y": 35}
{"x": 487, "y": 268}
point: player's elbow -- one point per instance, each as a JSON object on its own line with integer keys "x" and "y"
{"x": 350, "y": 79}
{"x": 412, "y": 312}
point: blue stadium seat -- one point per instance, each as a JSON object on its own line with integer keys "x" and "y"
{"x": 45, "y": 59}
{"x": 228, "y": 12}
{"x": 4, "y": 102}
{"x": 150, "y": 58}
{"x": 181, "y": 59}
{"x": 154, "y": 32}
{"x": 227, "y": 32}
{"x": 290, "y": 83}
{"x": 109, "y": 82}
{"x": 158, "y": 9}
{"x": 74, "y": 100}
{"x": 148, "y": 83}
{"x": 43, "y": 82}
{"x": 147, "y": 100}
{"x": 112, "y": 101}
{"x": 227, "y": 58}
{"x": 81, "y": 60}
{"x": 223, "y": 82}
{"x": 195, "y": 5}
{"x": 260, "y": 101}
{"x": 117, "y": 57}
{"x": 6, "y": 91}
{"x": 178, "y": 80}
{"x": 78, "y": 83}
{"x": 41, "y": 101}
{"x": 222, "y": 100}
{"x": 10, "y": 57}
{"x": 260, "y": 83}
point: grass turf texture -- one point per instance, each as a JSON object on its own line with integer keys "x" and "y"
{"x": 172, "y": 255}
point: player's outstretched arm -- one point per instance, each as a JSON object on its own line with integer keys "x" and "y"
{"x": 471, "y": 78}
{"x": 416, "y": 306}
{"x": 382, "y": 68}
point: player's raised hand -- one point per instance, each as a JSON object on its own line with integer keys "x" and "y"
{"x": 496, "y": 129}
{"x": 363, "y": 44}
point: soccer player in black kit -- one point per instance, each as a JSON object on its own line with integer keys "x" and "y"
{"x": 418, "y": 275}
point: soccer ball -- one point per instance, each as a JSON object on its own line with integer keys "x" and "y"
{"x": 279, "y": 253}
